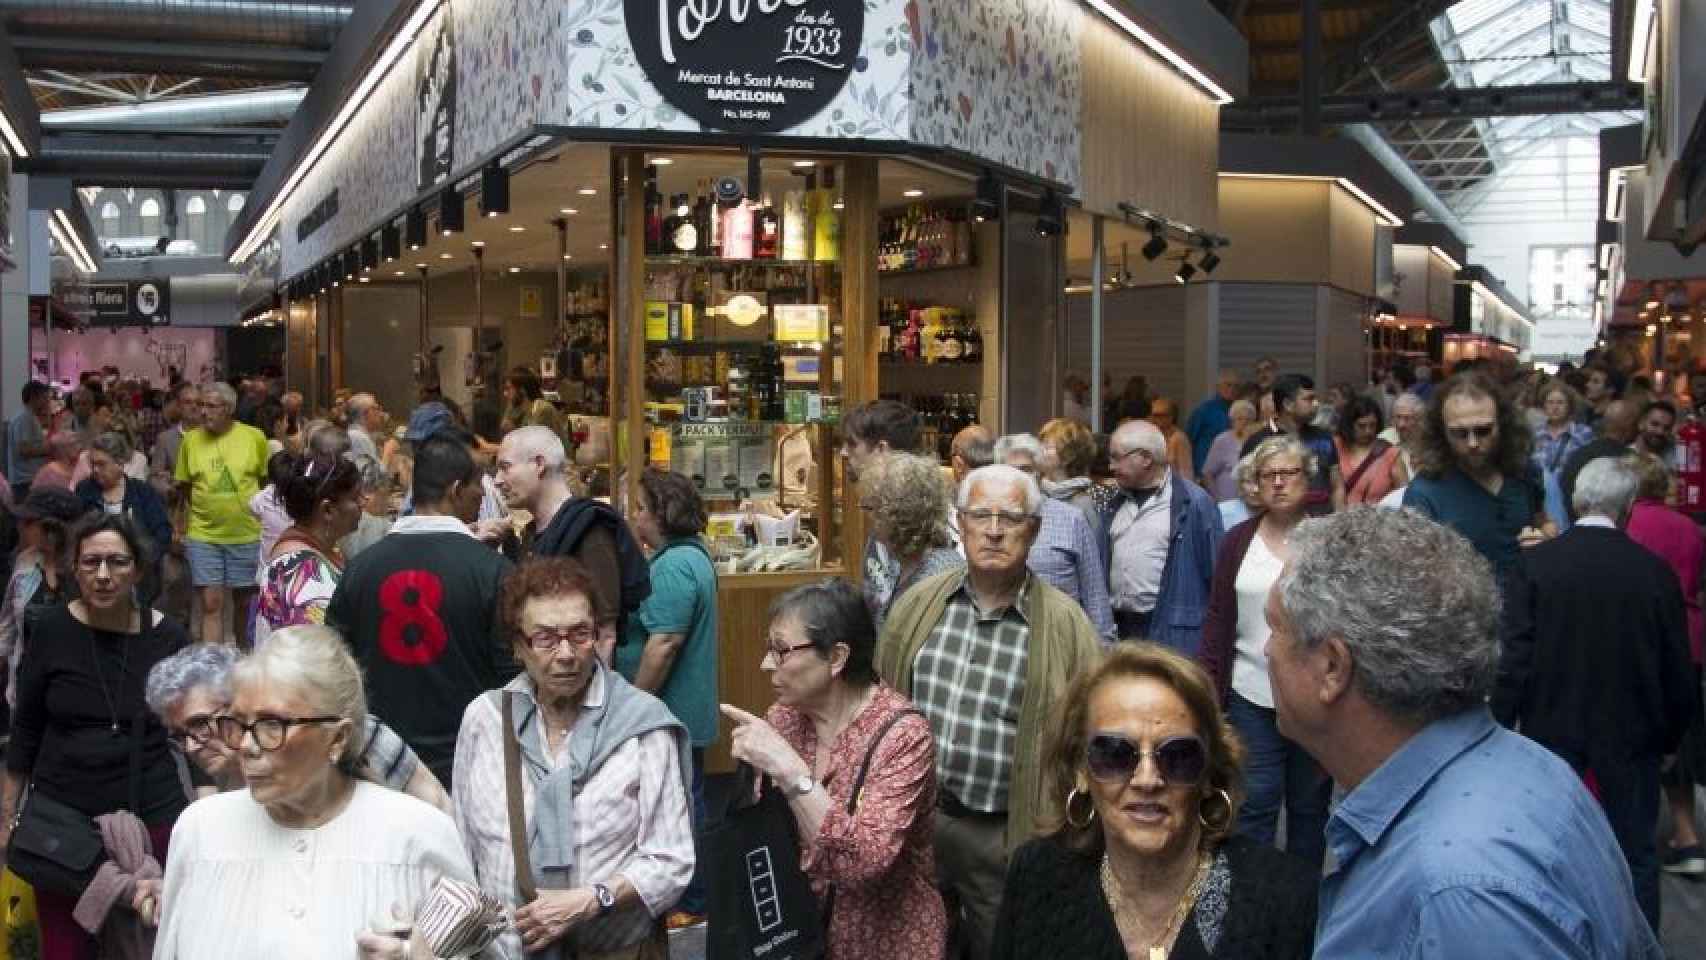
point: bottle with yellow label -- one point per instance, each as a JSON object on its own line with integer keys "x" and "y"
{"x": 826, "y": 220}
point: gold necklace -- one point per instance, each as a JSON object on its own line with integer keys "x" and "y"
{"x": 1123, "y": 909}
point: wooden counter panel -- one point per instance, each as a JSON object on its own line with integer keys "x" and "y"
{"x": 743, "y": 599}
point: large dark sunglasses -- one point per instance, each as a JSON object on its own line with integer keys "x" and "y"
{"x": 1113, "y": 758}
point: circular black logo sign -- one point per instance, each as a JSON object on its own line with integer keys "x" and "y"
{"x": 747, "y": 65}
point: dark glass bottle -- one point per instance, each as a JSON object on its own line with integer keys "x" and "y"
{"x": 767, "y": 231}
{"x": 654, "y": 213}
{"x": 681, "y": 229}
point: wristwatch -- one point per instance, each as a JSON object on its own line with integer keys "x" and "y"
{"x": 606, "y": 900}
{"x": 804, "y": 785}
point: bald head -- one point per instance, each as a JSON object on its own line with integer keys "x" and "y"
{"x": 526, "y": 443}
{"x": 1620, "y": 421}
{"x": 973, "y": 447}
{"x": 530, "y": 470}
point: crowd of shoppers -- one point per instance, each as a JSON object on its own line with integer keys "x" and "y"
{"x": 1079, "y": 688}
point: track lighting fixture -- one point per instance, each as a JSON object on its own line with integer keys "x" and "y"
{"x": 390, "y": 243}
{"x": 450, "y": 211}
{"x": 1209, "y": 261}
{"x": 1051, "y": 218}
{"x": 494, "y": 190}
{"x": 986, "y": 208}
{"x": 1157, "y": 244}
{"x": 414, "y": 228}
{"x": 1186, "y": 272}
{"x": 369, "y": 254}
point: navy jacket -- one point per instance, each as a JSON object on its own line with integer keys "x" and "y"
{"x": 1188, "y": 575}
{"x": 144, "y": 508}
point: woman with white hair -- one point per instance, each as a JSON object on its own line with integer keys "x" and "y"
{"x": 189, "y": 691}
{"x": 310, "y": 857}
{"x": 1220, "y": 469}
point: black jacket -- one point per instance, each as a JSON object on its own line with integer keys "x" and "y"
{"x": 577, "y": 517}
{"x": 1599, "y": 670}
{"x": 1053, "y": 907}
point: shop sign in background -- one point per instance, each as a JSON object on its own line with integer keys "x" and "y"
{"x": 748, "y": 65}
{"x": 143, "y": 303}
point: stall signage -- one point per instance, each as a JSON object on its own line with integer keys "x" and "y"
{"x": 724, "y": 460}
{"x": 318, "y": 217}
{"x": 145, "y": 303}
{"x": 751, "y": 66}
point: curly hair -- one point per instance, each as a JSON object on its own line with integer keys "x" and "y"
{"x": 1516, "y": 441}
{"x": 1068, "y": 738}
{"x": 1560, "y": 386}
{"x": 1357, "y": 407}
{"x": 909, "y": 503}
{"x": 1074, "y": 445}
{"x": 542, "y": 577}
{"x": 675, "y": 501}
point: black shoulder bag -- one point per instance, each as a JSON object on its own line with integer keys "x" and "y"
{"x": 56, "y": 847}
{"x": 859, "y": 787}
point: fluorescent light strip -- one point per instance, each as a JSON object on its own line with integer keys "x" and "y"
{"x": 1118, "y": 18}
{"x": 79, "y": 257}
{"x": 1641, "y": 39}
{"x": 76, "y": 241}
{"x": 1453, "y": 264}
{"x": 393, "y": 52}
{"x": 1605, "y": 255}
{"x": 1387, "y": 217}
{"x": 1616, "y": 181}
{"x": 12, "y": 139}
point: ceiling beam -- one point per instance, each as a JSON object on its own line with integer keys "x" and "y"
{"x": 1535, "y": 99}
{"x": 1403, "y": 24}
{"x": 240, "y": 61}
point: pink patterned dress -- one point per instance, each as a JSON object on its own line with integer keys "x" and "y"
{"x": 881, "y": 860}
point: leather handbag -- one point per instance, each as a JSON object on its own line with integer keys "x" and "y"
{"x": 56, "y": 847}
{"x": 525, "y": 887}
{"x": 859, "y": 787}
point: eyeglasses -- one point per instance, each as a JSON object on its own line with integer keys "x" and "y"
{"x": 269, "y": 732}
{"x": 197, "y": 730}
{"x": 1282, "y": 474}
{"x": 116, "y": 562}
{"x": 1117, "y": 457}
{"x": 1480, "y": 431}
{"x": 549, "y": 639}
{"x": 781, "y": 653}
{"x": 1000, "y": 520}
{"x": 1112, "y": 758}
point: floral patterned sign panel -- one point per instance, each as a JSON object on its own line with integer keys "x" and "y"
{"x": 999, "y": 79}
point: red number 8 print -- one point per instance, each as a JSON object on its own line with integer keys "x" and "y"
{"x": 410, "y": 632}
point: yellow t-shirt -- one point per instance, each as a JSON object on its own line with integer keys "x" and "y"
{"x": 224, "y": 471}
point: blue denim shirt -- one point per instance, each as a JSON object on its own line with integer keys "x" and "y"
{"x": 1473, "y": 841}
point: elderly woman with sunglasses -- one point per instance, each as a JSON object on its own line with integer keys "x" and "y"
{"x": 1140, "y": 860}
{"x": 1278, "y": 772}
{"x": 832, "y": 717}
{"x": 80, "y": 715}
{"x": 603, "y": 769}
{"x": 311, "y": 860}
{"x": 191, "y": 689}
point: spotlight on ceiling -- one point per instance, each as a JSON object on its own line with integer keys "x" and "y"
{"x": 390, "y": 243}
{"x": 1051, "y": 219}
{"x": 1157, "y": 244}
{"x": 414, "y": 228}
{"x": 1209, "y": 261}
{"x": 494, "y": 190}
{"x": 986, "y": 208}
{"x": 369, "y": 254}
{"x": 1186, "y": 272}
{"x": 450, "y": 211}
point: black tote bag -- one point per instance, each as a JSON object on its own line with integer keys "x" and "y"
{"x": 759, "y": 903}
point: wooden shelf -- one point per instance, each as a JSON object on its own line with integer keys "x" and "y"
{"x": 685, "y": 261}
{"x": 909, "y": 271}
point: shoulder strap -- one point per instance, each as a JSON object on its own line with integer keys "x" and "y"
{"x": 1376, "y": 451}
{"x": 524, "y": 885}
{"x": 858, "y": 788}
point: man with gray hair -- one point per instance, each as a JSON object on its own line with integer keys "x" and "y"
{"x": 1066, "y": 553}
{"x": 1163, "y": 533}
{"x": 987, "y": 652}
{"x": 366, "y": 418}
{"x": 1602, "y": 676}
{"x": 531, "y": 476}
{"x": 972, "y": 447}
{"x": 221, "y": 466}
{"x": 1455, "y": 836}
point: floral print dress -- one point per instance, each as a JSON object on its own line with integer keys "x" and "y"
{"x": 881, "y": 859}
{"x": 296, "y": 587}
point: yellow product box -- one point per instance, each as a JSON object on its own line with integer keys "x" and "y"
{"x": 657, "y": 320}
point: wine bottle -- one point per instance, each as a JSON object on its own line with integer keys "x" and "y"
{"x": 826, "y": 221}
{"x": 794, "y": 225}
{"x": 680, "y": 228}
{"x": 737, "y": 232}
{"x": 654, "y": 213}
{"x": 766, "y": 232}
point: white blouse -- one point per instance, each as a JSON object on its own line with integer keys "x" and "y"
{"x": 239, "y": 885}
{"x": 1256, "y": 576}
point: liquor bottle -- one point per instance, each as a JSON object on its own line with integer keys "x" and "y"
{"x": 713, "y": 220}
{"x": 767, "y": 230}
{"x": 737, "y": 232}
{"x": 973, "y": 342}
{"x": 795, "y": 228}
{"x": 680, "y": 229}
{"x": 826, "y": 221}
{"x": 702, "y": 216}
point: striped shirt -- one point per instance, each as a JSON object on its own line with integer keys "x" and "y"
{"x": 969, "y": 679}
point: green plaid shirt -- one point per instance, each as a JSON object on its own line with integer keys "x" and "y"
{"x": 969, "y": 679}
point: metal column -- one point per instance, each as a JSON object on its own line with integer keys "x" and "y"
{"x": 1097, "y": 270}
{"x": 1310, "y": 94}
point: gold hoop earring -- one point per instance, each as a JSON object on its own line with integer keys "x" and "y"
{"x": 1209, "y": 825}
{"x": 1076, "y": 793}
